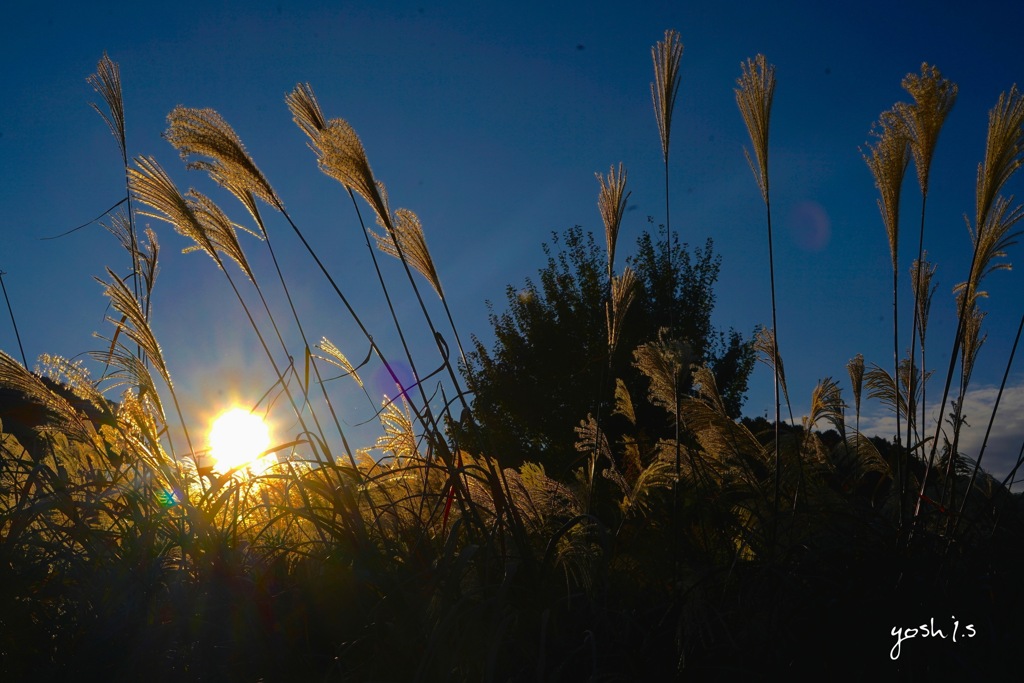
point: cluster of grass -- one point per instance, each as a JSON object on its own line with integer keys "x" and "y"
{"x": 710, "y": 547}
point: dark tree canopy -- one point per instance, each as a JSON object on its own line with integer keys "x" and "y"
{"x": 549, "y": 367}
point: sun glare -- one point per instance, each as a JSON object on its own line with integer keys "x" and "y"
{"x": 237, "y": 438}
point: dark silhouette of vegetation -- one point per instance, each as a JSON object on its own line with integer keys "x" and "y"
{"x": 622, "y": 525}
{"x": 550, "y": 366}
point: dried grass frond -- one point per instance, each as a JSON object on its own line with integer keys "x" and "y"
{"x": 13, "y": 375}
{"x": 934, "y": 97}
{"x": 133, "y": 323}
{"x": 306, "y": 111}
{"x": 590, "y": 437}
{"x": 204, "y": 133}
{"x": 921, "y": 274}
{"x": 754, "y": 98}
{"x": 991, "y": 243}
{"x": 107, "y": 82}
{"x": 768, "y": 353}
{"x": 882, "y": 387}
{"x": 973, "y": 341}
{"x": 666, "y": 55}
{"x": 856, "y": 369}
{"x": 707, "y": 388}
{"x": 399, "y": 438}
{"x": 130, "y": 372}
{"x": 827, "y": 403}
{"x": 611, "y": 202}
{"x": 1004, "y": 151}
{"x": 151, "y": 185}
{"x": 624, "y": 402}
{"x": 666, "y": 364}
{"x": 624, "y": 292}
{"x": 887, "y": 157}
{"x": 408, "y": 231}
{"x": 220, "y": 230}
{"x": 336, "y": 358}
{"x": 342, "y": 157}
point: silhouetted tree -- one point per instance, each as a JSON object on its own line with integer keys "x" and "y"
{"x": 550, "y": 366}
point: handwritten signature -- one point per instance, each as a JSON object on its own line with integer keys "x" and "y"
{"x": 929, "y": 630}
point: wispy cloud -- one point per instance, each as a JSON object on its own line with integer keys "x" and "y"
{"x": 1004, "y": 439}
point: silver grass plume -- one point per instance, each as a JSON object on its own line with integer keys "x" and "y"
{"x": 221, "y": 231}
{"x": 133, "y": 323}
{"x": 921, "y": 274}
{"x": 827, "y": 404}
{"x": 624, "y": 291}
{"x": 107, "y": 82}
{"x": 151, "y": 185}
{"x": 408, "y": 231}
{"x": 611, "y": 201}
{"x": 336, "y": 358}
{"x": 666, "y": 362}
{"x": 887, "y": 157}
{"x": 768, "y": 353}
{"x": 754, "y": 98}
{"x": 342, "y": 157}
{"x": 856, "y": 369}
{"x": 306, "y": 111}
{"x": 991, "y": 243}
{"x": 1004, "y": 150}
{"x": 666, "y": 55}
{"x": 934, "y": 97}
{"x": 204, "y": 133}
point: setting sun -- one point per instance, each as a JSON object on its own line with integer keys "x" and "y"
{"x": 237, "y": 438}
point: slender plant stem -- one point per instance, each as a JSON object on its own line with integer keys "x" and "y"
{"x": 13, "y": 321}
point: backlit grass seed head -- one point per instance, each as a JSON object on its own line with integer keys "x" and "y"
{"x": 768, "y": 353}
{"x": 306, "y": 111}
{"x": 921, "y": 274}
{"x": 666, "y": 55}
{"x": 934, "y": 97}
{"x": 107, "y": 82}
{"x": 887, "y": 157}
{"x": 220, "y": 230}
{"x": 204, "y": 133}
{"x": 624, "y": 291}
{"x": 991, "y": 243}
{"x": 1004, "y": 150}
{"x": 856, "y": 369}
{"x": 754, "y": 98}
{"x": 151, "y": 185}
{"x": 343, "y": 158}
{"x": 611, "y": 201}
{"x": 409, "y": 233}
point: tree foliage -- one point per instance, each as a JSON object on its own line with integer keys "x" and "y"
{"x": 550, "y": 365}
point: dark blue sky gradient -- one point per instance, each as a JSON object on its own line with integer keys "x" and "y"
{"x": 490, "y": 123}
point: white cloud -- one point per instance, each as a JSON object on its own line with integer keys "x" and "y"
{"x": 1004, "y": 440}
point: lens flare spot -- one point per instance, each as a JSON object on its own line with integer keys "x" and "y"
{"x": 809, "y": 226}
{"x": 238, "y": 438}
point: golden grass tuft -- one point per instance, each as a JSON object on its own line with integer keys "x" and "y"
{"x": 611, "y": 201}
{"x": 754, "y": 98}
{"x": 666, "y": 55}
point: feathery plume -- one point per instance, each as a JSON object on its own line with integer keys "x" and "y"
{"x": 666, "y": 55}
{"x": 204, "y": 133}
{"x": 133, "y": 323}
{"x": 973, "y": 341}
{"x": 991, "y": 243}
{"x": 342, "y": 157}
{"x": 1004, "y": 150}
{"x": 934, "y": 97}
{"x": 624, "y": 291}
{"x": 107, "y": 82}
{"x": 768, "y": 353}
{"x": 754, "y": 98}
{"x": 220, "y": 230}
{"x": 921, "y": 274}
{"x": 612, "y": 204}
{"x": 151, "y": 185}
{"x": 306, "y": 111}
{"x": 856, "y": 369}
{"x": 338, "y": 359}
{"x": 665, "y": 362}
{"x": 887, "y": 158}
{"x": 409, "y": 234}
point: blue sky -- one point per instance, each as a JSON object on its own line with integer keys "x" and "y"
{"x": 490, "y": 122}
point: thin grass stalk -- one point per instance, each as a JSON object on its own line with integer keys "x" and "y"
{"x": 887, "y": 158}
{"x": 14, "y": 322}
{"x": 754, "y": 95}
{"x": 988, "y": 431}
{"x": 1004, "y": 154}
